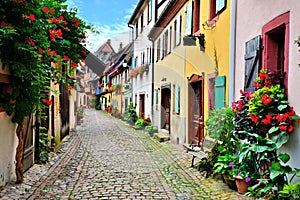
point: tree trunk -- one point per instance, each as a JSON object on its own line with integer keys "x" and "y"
{"x": 20, "y": 152}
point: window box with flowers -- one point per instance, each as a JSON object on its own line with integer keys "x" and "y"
{"x": 263, "y": 121}
{"x": 144, "y": 68}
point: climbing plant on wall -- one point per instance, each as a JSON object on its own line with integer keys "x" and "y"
{"x": 40, "y": 41}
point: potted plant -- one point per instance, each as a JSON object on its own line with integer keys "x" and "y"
{"x": 219, "y": 126}
{"x": 264, "y": 120}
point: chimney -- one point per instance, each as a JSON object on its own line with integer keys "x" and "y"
{"x": 108, "y": 41}
{"x": 121, "y": 46}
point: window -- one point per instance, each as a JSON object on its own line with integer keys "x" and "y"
{"x": 176, "y": 99}
{"x": 166, "y": 38}
{"x": 136, "y": 30}
{"x": 158, "y": 50}
{"x": 149, "y": 11}
{"x": 170, "y": 40}
{"x": 196, "y": 15}
{"x": 276, "y": 45}
{"x": 188, "y": 25}
{"x": 216, "y": 7}
{"x": 142, "y": 22}
{"x": 177, "y": 30}
{"x": 211, "y": 91}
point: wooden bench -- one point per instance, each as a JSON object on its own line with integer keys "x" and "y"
{"x": 200, "y": 151}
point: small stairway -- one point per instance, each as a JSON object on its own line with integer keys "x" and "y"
{"x": 162, "y": 136}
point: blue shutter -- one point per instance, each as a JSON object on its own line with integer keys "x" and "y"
{"x": 134, "y": 63}
{"x": 220, "y": 84}
{"x": 177, "y": 98}
{"x": 188, "y": 25}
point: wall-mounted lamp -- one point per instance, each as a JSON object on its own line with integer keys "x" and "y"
{"x": 209, "y": 24}
{"x": 163, "y": 78}
{"x": 190, "y": 40}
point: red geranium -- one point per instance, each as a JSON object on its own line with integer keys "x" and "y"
{"x": 254, "y": 118}
{"x": 31, "y": 17}
{"x": 266, "y": 99}
{"x": 283, "y": 127}
{"x": 268, "y": 119}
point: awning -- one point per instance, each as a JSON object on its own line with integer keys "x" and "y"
{"x": 95, "y": 64}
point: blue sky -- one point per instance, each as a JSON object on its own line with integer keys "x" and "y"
{"x": 110, "y": 17}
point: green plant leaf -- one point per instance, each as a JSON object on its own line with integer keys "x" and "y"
{"x": 296, "y": 117}
{"x": 282, "y": 107}
{"x": 284, "y": 157}
{"x": 273, "y": 129}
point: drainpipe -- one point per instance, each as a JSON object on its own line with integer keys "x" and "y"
{"x": 131, "y": 33}
{"x": 232, "y": 51}
{"x": 131, "y": 40}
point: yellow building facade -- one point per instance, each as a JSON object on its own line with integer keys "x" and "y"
{"x": 191, "y": 50}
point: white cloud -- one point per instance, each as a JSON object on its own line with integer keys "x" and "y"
{"x": 117, "y": 33}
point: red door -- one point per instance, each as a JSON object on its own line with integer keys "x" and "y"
{"x": 196, "y": 110}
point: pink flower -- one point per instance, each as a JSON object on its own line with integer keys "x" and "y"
{"x": 231, "y": 165}
{"x": 248, "y": 179}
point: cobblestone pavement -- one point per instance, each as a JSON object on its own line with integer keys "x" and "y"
{"x": 106, "y": 159}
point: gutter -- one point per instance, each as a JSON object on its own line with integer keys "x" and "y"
{"x": 231, "y": 96}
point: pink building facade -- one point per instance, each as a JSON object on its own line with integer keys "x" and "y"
{"x": 265, "y": 36}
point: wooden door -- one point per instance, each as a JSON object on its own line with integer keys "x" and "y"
{"x": 64, "y": 111}
{"x": 28, "y": 143}
{"x": 196, "y": 110}
{"x": 142, "y": 106}
{"x": 165, "y": 111}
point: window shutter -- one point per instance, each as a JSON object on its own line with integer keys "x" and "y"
{"x": 177, "y": 98}
{"x": 156, "y": 98}
{"x": 220, "y": 5}
{"x": 252, "y": 62}
{"x": 220, "y": 83}
{"x": 134, "y": 63}
{"x": 178, "y": 24}
{"x": 188, "y": 26}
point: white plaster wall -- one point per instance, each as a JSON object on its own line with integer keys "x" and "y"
{"x": 143, "y": 85}
{"x": 251, "y": 17}
{"x": 8, "y": 144}
{"x": 72, "y": 118}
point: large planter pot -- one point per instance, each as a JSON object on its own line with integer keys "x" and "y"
{"x": 230, "y": 182}
{"x": 242, "y": 186}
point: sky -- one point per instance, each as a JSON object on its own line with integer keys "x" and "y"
{"x": 109, "y": 17}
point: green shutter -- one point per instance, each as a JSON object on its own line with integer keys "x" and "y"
{"x": 177, "y": 98}
{"x": 220, "y": 84}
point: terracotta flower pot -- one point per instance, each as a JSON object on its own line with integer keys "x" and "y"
{"x": 242, "y": 185}
{"x": 230, "y": 183}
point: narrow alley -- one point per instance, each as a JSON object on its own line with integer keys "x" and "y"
{"x": 106, "y": 159}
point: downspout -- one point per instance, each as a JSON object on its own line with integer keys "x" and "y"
{"x": 131, "y": 88}
{"x": 152, "y": 66}
{"x": 131, "y": 34}
{"x": 231, "y": 96}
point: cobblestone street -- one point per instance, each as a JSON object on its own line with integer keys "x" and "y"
{"x": 107, "y": 159}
